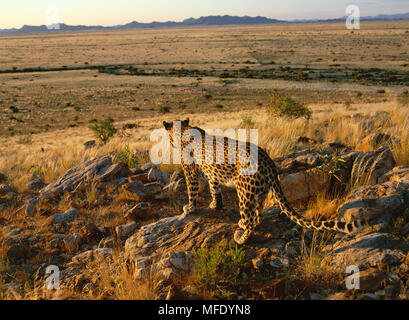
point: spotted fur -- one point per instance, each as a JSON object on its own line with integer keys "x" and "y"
{"x": 252, "y": 190}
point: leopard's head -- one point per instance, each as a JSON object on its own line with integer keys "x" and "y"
{"x": 172, "y": 127}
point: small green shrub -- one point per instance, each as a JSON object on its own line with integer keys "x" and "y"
{"x": 164, "y": 109}
{"x": 27, "y": 140}
{"x": 247, "y": 123}
{"x": 125, "y": 155}
{"x": 219, "y": 106}
{"x": 282, "y": 106}
{"x": 103, "y": 129}
{"x": 220, "y": 268}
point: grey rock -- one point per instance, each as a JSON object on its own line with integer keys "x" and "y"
{"x": 68, "y": 216}
{"x": 35, "y": 185}
{"x": 143, "y": 190}
{"x": 126, "y": 229}
{"x": 89, "y": 144}
{"x": 367, "y": 250}
{"x": 112, "y": 172}
{"x": 83, "y": 172}
{"x": 170, "y": 241}
{"x": 155, "y": 174}
{"x": 368, "y": 202}
{"x": 72, "y": 240}
{"x": 368, "y": 167}
{"x": 90, "y": 255}
{"x": 108, "y": 242}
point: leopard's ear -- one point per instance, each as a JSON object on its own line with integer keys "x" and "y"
{"x": 167, "y": 125}
{"x": 185, "y": 123}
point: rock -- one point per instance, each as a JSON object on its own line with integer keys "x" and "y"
{"x": 138, "y": 212}
{"x": 368, "y": 202}
{"x": 88, "y": 256}
{"x": 126, "y": 229}
{"x": 36, "y": 184}
{"x": 108, "y": 242}
{"x": 374, "y": 141}
{"x": 301, "y": 186}
{"x": 396, "y": 174}
{"x": 171, "y": 240}
{"x": 67, "y": 216}
{"x": 371, "y": 279}
{"x": 5, "y": 189}
{"x": 367, "y": 250}
{"x": 148, "y": 166}
{"x": 71, "y": 179}
{"x": 142, "y": 190}
{"x": 302, "y": 177}
{"x": 277, "y": 262}
{"x": 392, "y": 278}
{"x": 112, "y": 172}
{"x": 368, "y": 167}
{"x": 89, "y": 144}
{"x": 140, "y": 177}
{"x": 155, "y": 174}
{"x": 72, "y": 240}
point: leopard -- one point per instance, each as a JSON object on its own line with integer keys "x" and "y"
{"x": 253, "y": 179}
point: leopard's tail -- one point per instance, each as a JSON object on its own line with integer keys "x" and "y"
{"x": 330, "y": 225}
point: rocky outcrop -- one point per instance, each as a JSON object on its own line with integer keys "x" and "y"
{"x": 99, "y": 169}
{"x": 368, "y": 167}
{"x": 369, "y": 202}
{"x": 166, "y": 245}
{"x": 367, "y": 250}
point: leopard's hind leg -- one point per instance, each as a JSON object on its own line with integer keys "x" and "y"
{"x": 192, "y": 183}
{"x": 216, "y": 193}
{"x": 247, "y": 217}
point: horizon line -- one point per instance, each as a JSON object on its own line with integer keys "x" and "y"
{"x": 221, "y": 15}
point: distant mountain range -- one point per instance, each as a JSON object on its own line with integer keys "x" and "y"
{"x": 202, "y": 21}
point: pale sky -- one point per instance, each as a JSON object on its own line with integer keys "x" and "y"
{"x": 16, "y": 13}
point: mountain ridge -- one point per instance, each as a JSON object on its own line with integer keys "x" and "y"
{"x": 214, "y": 20}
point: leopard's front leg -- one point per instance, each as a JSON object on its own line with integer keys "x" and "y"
{"x": 192, "y": 183}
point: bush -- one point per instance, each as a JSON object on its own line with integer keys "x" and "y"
{"x": 164, "y": 109}
{"x": 220, "y": 267}
{"x": 125, "y": 155}
{"x": 281, "y": 106}
{"x": 247, "y": 122}
{"x": 103, "y": 129}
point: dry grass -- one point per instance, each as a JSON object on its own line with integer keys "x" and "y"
{"x": 64, "y": 149}
{"x": 322, "y": 207}
{"x": 310, "y": 266}
{"x": 400, "y": 149}
{"x": 117, "y": 281}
